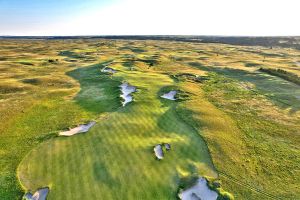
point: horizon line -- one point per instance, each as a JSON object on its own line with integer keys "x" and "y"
{"x": 158, "y": 35}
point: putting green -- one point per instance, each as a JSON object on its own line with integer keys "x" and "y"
{"x": 115, "y": 159}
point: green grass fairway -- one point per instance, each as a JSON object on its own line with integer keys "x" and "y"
{"x": 115, "y": 159}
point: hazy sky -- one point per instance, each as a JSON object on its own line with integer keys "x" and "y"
{"x": 152, "y": 17}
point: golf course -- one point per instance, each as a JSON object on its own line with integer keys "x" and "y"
{"x": 139, "y": 119}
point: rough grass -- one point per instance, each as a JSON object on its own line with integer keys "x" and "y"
{"x": 248, "y": 150}
{"x": 270, "y": 143}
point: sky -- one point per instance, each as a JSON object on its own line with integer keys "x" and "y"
{"x": 150, "y": 17}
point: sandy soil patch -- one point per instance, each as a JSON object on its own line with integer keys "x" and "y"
{"x": 170, "y": 95}
{"x": 126, "y": 90}
{"x": 79, "y": 129}
{"x": 199, "y": 191}
{"x": 40, "y": 194}
{"x": 158, "y": 151}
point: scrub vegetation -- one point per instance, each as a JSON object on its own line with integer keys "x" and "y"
{"x": 235, "y": 120}
{"x": 282, "y": 74}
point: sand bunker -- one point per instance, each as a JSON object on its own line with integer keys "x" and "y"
{"x": 126, "y": 90}
{"x": 170, "y": 95}
{"x": 159, "y": 152}
{"x": 40, "y": 194}
{"x": 108, "y": 70}
{"x": 199, "y": 191}
{"x": 79, "y": 129}
{"x": 167, "y": 146}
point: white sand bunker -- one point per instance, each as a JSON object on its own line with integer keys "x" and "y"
{"x": 159, "y": 151}
{"x": 108, "y": 70}
{"x": 126, "y": 90}
{"x": 167, "y": 146}
{"x": 170, "y": 95}
{"x": 79, "y": 129}
{"x": 40, "y": 194}
{"x": 199, "y": 191}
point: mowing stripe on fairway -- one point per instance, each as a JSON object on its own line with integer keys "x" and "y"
{"x": 115, "y": 159}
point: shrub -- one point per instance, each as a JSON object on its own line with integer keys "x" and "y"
{"x": 32, "y": 81}
{"x": 282, "y": 74}
{"x": 251, "y": 64}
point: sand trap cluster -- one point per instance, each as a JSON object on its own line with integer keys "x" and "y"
{"x": 158, "y": 150}
{"x": 79, "y": 129}
{"x": 108, "y": 70}
{"x": 170, "y": 95}
{"x": 126, "y": 90}
{"x": 40, "y": 194}
{"x": 199, "y": 191}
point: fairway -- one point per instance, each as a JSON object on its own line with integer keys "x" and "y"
{"x": 115, "y": 159}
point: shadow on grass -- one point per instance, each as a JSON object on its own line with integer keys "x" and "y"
{"x": 283, "y": 93}
{"x": 98, "y": 92}
{"x": 133, "y": 49}
{"x": 103, "y": 175}
{"x": 71, "y": 54}
{"x": 165, "y": 119}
